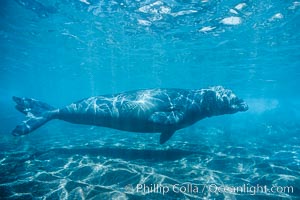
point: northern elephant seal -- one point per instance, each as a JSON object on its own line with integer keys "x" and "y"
{"x": 147, "y": 111}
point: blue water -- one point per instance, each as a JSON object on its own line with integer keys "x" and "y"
{"x": 62, "y": 51}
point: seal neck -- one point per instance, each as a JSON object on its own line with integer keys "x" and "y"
{"x": 206, "y": 100}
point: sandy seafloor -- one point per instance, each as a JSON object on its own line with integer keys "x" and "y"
{"x": 65, "y": 161}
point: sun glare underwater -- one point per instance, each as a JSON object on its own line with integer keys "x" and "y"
{"x": 62, "y": 51}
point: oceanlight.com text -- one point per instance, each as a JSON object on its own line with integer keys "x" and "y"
{"x": 210, "y": 188}
{"x": 249, "y": 189}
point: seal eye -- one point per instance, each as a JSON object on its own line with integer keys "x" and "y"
{"x": 210, "y": 96}
{"x": 225, "y": 101}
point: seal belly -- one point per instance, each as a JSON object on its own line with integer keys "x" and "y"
{"x": 134, "y": 116}
{"x": 113, "y": 112}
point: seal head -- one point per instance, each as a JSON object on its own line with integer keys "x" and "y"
{"x": 223, "y": 101}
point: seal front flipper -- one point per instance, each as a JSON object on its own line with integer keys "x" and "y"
{"x": 167, "y": 118}
{"x": 165, "y": 136}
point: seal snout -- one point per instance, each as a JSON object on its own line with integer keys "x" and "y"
{"x": 243, "y": 105}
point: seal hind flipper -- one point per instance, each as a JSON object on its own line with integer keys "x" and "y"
{"x": 165, "y": 136}
{"x": 28, "y": 105}
{"x": 37, "y": 113}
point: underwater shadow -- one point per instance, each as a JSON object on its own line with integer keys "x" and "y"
{"x": 126, "y": 154}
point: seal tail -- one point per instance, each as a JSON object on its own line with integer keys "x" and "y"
{"x": 37, "y": 114}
